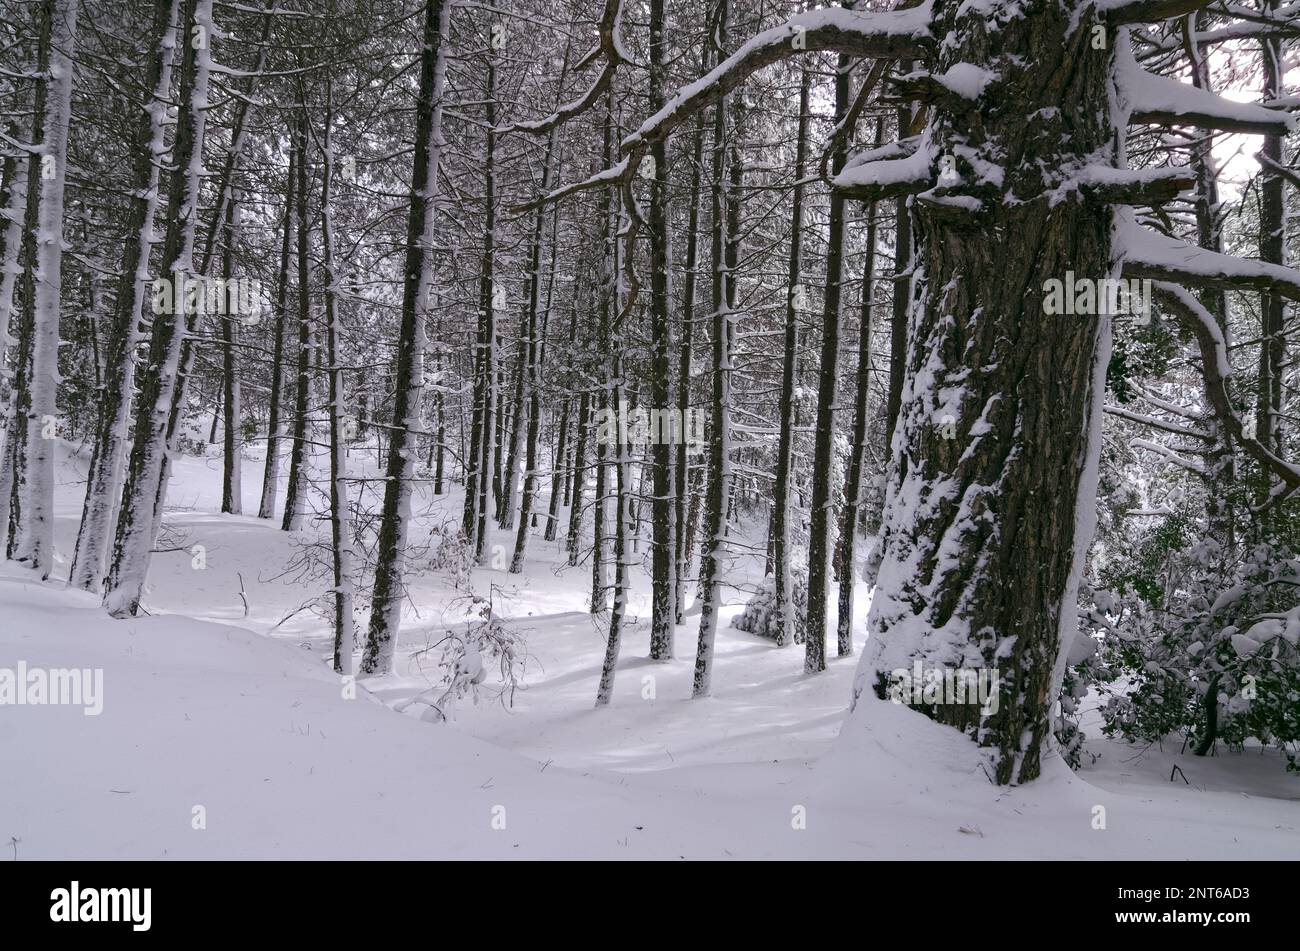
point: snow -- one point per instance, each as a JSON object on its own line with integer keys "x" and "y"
{"x": 1152, "y": 250}
{"x": 915, "y": 167}
{"x": 205, "y": 707}
{"x": 1160, "y": 98}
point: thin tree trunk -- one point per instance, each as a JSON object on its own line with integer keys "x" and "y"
{"x": 271, "y": 468}
{"x": 488, "y": 428}
{"x": 821, "y": 519}
{"x": 295, "y": 500}
{"x": 340, "y": 516}
{"x": 559, "y": 478}
{"x": 579, "y": 477}
{"x": 720, "y": 443}
{"x": 783, "y": 580}
{"x": 386, "y": 600}
{"x": 858, "y": 450}
{"x": 533, "y": 357}
{"x": 663, "y": 571}
{"x": 232, "y": 439}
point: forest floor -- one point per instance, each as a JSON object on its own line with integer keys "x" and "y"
{"x": 225, "y": 734}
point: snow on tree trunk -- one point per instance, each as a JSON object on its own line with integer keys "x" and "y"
{"x": 720, "y": 442}
{"x": 271, "y": 468}
{"x": 340, "y": 516}
{"x": 783, "y": 579}
{"x": 144, "y": 493}
{"x": 36, "y": 545}
{"x": 389, "y": 592}
{"x": 995, "y": 451}
{"x": 15, "y": 210}
{"x": 105, "y": 474}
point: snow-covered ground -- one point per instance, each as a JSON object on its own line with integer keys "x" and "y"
{"x": 224, "y": 733}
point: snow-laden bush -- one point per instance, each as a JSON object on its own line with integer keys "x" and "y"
{"x": 760, "y": 616}
{"x": 450, "y": 552}
{"x": 463, "y": 661}
{"x": 1213, "y": 663}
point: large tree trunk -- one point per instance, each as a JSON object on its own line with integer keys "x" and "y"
{"x": 145, "y": 489}
{"x": 986, "y": 530}
{"x": 105, "y": 473}
{"x": 36, "y": 546}
{"x": 1272, "y": 230}
{"x": 389, "y": 592}
{"x": 14, "y": 201}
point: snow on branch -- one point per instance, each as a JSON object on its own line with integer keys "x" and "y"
{"x": 610, "y": 47}
{"x": 1290, "y": 174}
{"x": 614, "y": 175}
{"x": 1129, "y": 186}
{"x": 1119, "y": 12}
{"x": 1169, "y": 454}
{"x": 964, "y": 83}
{"x": 900, "y": 168}
{"x": 1149, "y": 254}
{"x": 901, "y": 34}
{"x": 1164, "y": 101}
{"x": 1217, "y": 371}
{"x": 1156, "y": 423}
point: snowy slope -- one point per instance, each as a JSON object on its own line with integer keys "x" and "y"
{"x": 255, "y": 729}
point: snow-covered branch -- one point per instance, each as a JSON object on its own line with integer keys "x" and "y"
{"x": 901, "y": 34}
{"x": 1129, "y": 186}
{"x": 1164, "y": 101}
{"x": 1217, "y": 371}
{"x": 610, "y": 48}
{"x": 1119, "y": 12}
{"x": 1149, "y": 254}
